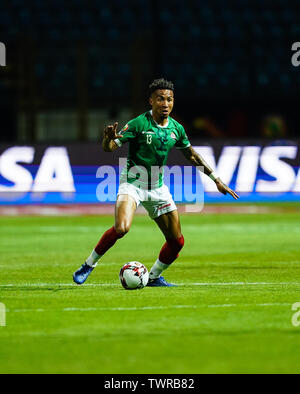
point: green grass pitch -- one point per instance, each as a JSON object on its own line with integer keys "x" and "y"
{"x": 239, "y": 276}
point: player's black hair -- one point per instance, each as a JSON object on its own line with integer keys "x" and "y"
{"x": 160, "y": 84}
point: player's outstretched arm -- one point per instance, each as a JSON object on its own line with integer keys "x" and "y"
{"x": 196, "y": 160}
{"x": 109, "y": 135}
{"x": 225, "y": 189}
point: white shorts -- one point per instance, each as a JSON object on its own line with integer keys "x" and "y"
{"x": 157, "y": 202}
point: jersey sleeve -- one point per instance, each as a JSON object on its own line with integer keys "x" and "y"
{"x": 129, "y": 132}
{"x": 183, "y": 141}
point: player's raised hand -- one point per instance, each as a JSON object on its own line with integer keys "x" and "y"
{"x": 225, "y": 189}
{"x": 110, "y": 132}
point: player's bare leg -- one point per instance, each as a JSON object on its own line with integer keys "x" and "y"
{"x": 124, "y": 212}
{"x": 169, "y": 224}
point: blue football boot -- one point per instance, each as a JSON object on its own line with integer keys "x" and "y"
{"x": 159, "y": 282}
{"x": 81, "y": 275}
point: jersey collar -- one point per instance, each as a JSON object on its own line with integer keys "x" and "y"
{"x": 162, "y": 127}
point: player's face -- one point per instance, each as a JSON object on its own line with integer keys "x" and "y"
{"x": 162, "y": 102}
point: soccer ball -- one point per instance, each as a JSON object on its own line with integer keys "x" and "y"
{"x": 134, "y": 275}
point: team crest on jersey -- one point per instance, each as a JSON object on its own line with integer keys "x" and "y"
{"x": 173, "y": 136}
{"x": 125, "y": 128}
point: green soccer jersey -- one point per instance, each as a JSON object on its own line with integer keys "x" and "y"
{"x": 149, "y": 147}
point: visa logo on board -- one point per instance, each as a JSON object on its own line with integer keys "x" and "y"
{"x": 246, "y": 160}
{"x": 54, "y": 173}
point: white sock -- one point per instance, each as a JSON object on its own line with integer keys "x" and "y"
{"x": 93, "y": 259}
{"x": 157, "y": 269}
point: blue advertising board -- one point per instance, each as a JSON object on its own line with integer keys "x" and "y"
{"x": 55, "y": 175}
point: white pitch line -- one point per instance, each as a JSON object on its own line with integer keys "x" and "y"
{"x": 58, "y": 284}
{"x": 179, "y": 284}
{"x": 145, "y": 308}
{"x": 243, "y": 284}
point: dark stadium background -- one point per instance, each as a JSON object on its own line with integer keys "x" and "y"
{"x": 75, "y": 66}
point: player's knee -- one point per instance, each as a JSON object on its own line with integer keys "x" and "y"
{"x": 177, "y": 244}
{"x": 122, "y": 229}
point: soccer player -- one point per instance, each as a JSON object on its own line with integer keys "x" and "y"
{"x": 150, "y": 136}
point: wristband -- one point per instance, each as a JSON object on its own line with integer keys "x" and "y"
{"x": 118, "y": 142}
{"x": 213, "y": 176}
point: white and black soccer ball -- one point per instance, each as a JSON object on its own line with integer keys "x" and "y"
{"x": 134, "y": 275}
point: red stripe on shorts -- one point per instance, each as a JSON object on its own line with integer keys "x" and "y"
{"x": 165, "y": 206}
